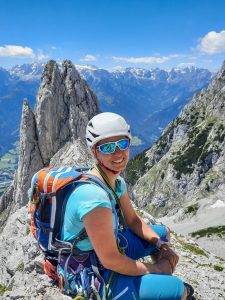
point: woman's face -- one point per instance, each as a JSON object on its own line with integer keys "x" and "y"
{"x": 117, "y": 160}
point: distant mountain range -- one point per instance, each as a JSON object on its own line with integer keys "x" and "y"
{"x": 182, "y": 177}
{"x": 53, "y": 134}
{"x": 148, "y": 99}
{"x": 13, "y": 89}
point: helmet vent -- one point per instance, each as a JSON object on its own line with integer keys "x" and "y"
{"x": 91, "y": 125}
{"x": 89, "y": 140}
{"x": 94, "y": 135}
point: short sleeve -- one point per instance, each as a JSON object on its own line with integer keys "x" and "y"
{"x": 121, "y": 186}
{"x": 86, "y": 197}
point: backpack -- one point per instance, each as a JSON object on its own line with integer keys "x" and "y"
{"x": 48, "y": 196}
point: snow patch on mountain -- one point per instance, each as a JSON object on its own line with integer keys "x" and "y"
{"x": 27, "y": 71}
{"x": 218, "y": 204}
{"x": 34, "y": 71}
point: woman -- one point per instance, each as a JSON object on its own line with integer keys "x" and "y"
{"x": 108, "y": 137}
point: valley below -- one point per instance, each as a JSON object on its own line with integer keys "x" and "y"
{"x": 206, "y": 226}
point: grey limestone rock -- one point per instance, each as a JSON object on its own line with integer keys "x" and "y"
{"x": 73, "y": 154}
{"x": 21, "y": 271}
{"x": 64, "y": 105}
{"x": 187, "y": 162}
{"x": 54, "y": 134}
{"x": 22, "y": 276}
{"x": 5, "y": 201}
{"x": 30, "y": 158}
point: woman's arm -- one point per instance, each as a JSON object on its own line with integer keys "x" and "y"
{"x": 135, "y": 223}
{"x": 141, "y": 229}
{"x": 99, "y": 226}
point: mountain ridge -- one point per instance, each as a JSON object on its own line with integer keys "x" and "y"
{"x": 21, "y": 271}
{"x": 148, "y": 99}
{"x": 181, "y": 177}
{"x": 63, "y": 107}
{"x": 203, "y": 112}
{"x": 111, "y": 88}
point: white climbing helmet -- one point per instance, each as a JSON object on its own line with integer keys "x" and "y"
{"x": 105, "y": 125}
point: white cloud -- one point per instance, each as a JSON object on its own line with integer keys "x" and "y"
{"x": 138, "y": 60}
{"x": 177, "y": 55}
{"x": 213, "y": 42}
{"x": 53, "y": 48}
{"x": 19, "y": 51}
{"x": 186, "y": 65}
{"x": 89, "y": 57}
{"x": 40, "y": 55}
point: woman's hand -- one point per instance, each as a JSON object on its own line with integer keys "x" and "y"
{"x": 163, "y": 266}
{"x": 168, "y": 253}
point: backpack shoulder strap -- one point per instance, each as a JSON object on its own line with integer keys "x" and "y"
{"x": 89, "y": 178}
{"x": 119, "y": 208}
{"x": 96, "y": 180}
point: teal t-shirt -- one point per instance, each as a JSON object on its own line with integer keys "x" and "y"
{"x": 82, "y": 200}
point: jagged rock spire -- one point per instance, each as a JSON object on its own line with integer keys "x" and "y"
{"x": 64, "y": 105}
{"x": 30, "y": 159}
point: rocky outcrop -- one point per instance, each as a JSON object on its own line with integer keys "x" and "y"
{"x": 6, "y": 205}
{"x": 64, "y": 105}
{"x": 21, "y": 270}
{"x": 73, "y": 154}
{"x": 30, "y": 156}
{"x": 187, "y": 162}
{"x": 54, "y": 134}
{"x": 22, "y": 277}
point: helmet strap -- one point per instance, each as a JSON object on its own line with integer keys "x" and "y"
{"x": 108, "y": 169}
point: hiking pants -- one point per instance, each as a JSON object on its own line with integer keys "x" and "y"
{"x": 145, "y": 287}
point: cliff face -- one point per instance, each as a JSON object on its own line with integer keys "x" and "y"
{"x": 53, "y": 134}
{"x": 64, "y": 105}
{"x": 187, "y": 162}
{"x": 30, "y": 156}
{"x": 181, "y": 178}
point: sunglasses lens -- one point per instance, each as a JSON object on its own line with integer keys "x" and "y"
{"x": 123, "y": 144}
{"x": 107, "y": 148}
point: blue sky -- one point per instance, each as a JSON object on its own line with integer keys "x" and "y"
{"x": 114, "y": 33}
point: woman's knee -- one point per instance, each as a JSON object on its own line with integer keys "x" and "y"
{"x": 184, "y": 297}
{"x": 168, "y": 236}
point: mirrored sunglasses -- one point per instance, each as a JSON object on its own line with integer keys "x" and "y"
{"x": 110, "y": 147}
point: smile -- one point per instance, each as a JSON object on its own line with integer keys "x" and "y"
{"x": 118, "y": 161}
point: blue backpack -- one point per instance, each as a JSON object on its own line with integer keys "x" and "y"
{"x": 48, "y": 197}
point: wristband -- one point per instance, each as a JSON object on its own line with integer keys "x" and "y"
{"x": 160, "y": 243}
